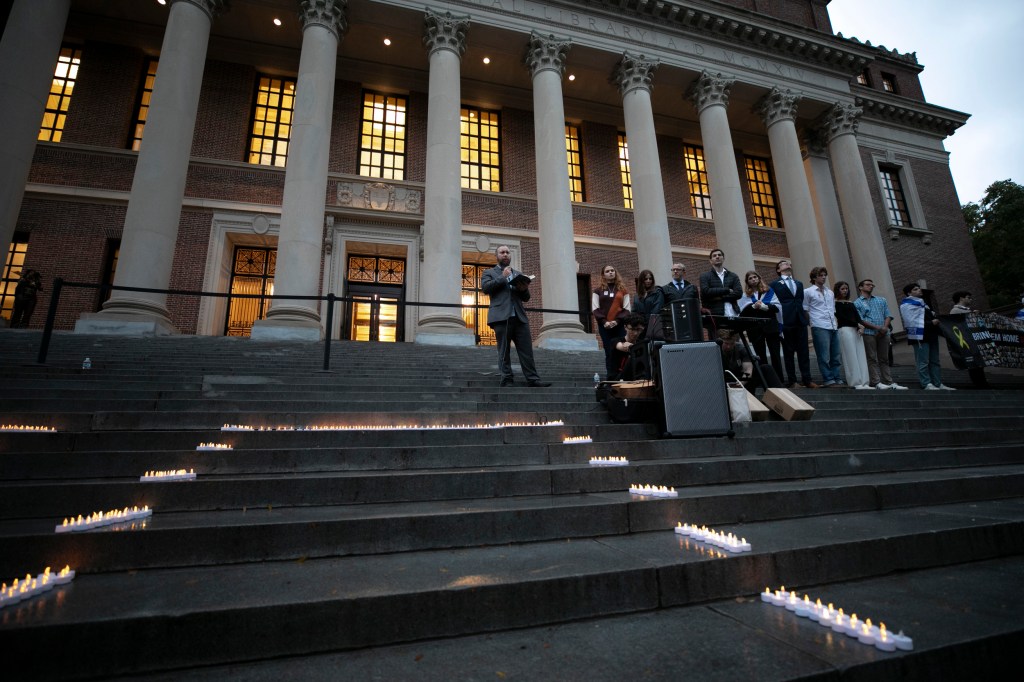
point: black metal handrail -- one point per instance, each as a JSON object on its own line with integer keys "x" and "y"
{"x": 59, "y": 284}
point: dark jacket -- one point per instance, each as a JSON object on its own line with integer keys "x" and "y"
{"x": 714, "y": 292}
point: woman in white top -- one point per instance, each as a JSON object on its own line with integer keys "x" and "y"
{"x": 855, "y": 360}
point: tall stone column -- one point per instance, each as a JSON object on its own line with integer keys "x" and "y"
{"x": 839, "y": 126}
{"x": 545, "y": 57}
{"x": 154, "y": 205}
{"x": 778, "y": 111}
{"x": 300, "y": 244}
{"x": 826, "y": 210}
{"x": 653, "y": 247}
{"x": 28, "y": 54}
{"x": 445, "y": 39}
{"x": 710, "y": 97}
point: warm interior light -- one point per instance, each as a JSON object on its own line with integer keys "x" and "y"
{"x": 387, "y": 41}
{"x": 487, "y": 60}
{"x": 277, "y": 22}
{"x": 572, "y": 76}
{"x": 162, "y": 2}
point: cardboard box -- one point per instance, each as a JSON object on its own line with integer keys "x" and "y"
{"x": 787, "y": 404}
{"x": 643, "y": 388}
{"x": 758, "y": 411}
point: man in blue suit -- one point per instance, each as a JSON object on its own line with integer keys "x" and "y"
{"x": 790, "y": 294}
{"x": 507, "y": 317}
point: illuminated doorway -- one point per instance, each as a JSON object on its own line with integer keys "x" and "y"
{"x": 376, "y": 285}
{"x": 252, "y": 272}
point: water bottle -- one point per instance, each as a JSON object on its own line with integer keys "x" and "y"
{"x": 87, "y": 363}
{"x": 597, "y": 378}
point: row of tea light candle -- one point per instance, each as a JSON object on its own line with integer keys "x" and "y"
{"x": 827, "y": 616}
{"x": 99, "y": 519}
{"x": 30, "y": 586}
{"x": 22, "y": 428}
{"x": 169, "y": 475}
{"x": 609, "y": 462}
{"x": 653, "y": 490}
{"x": 726, "y": 541}
{"x": 390, "y": 427}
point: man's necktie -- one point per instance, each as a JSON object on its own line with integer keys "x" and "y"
{"x": 791, "y": 285}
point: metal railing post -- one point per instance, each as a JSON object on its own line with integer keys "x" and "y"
{"x": 331, "y": 298}
{"x": 51, "y": 316}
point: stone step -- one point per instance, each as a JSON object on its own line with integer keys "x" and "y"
{"x": 316, "y": 516}
{"x": 734, "y": 639}
{"x": 160, "y": 619}
{"x": 57, "y": 496}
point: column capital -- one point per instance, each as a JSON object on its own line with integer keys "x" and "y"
{"x": 709, "y": 89}
{"x": 445, "y": 32}
{"x": 777, "y": 105}
{"x": 634, "y": 72}
{"x": 841, "y": 119}
{"x": 546, "y": 53}
{"x": 327, "y": 13}
{"x": 211, "y": 7}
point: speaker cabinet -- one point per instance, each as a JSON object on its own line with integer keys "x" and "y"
{"x": 681, "y": 321}
{"x": 693, "y": 390}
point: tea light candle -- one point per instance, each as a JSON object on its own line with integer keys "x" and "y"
{"x": 884, "y": 641}
{"x": 791, "y": 602}
{"x": 778, "y": 599}
{"x": 852, "y": 626}
{"x": 902, "y": 642}
{"x": 839, "y": 622}
{"x": 815, "y": 611}
{"x": 766, "y": 596}
{"x": 803, "y": 608}
{"x": 864, "y": 633}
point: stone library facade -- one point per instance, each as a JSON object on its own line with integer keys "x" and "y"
{"x": 275, "y": 151}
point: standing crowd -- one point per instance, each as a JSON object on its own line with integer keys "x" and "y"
{"x": 850, "y": 331}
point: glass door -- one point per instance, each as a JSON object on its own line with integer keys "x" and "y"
{"x": 374, "y": 318}
{"x": 252, "y": 273}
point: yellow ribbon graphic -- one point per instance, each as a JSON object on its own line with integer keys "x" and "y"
{"x": 960, "y": 337}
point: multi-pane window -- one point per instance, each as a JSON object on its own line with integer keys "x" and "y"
{"x": 627, "y": 183}
{"x": 480, "y": 143}
{"x": 272, "y": 121}
{"x": 864, "y": 78}
{"x": 12, "y": 273}
{"x": 382, "y": 139}
{"x": 895, "y": 199}
{"x": 889, "y": 82}
{"x": 762, "y": 194}
{"x": 142, "y": 109}
{"x": 697, "y": 179}
{"x": 61, "y": 89}
{"x": 572, "y": 151}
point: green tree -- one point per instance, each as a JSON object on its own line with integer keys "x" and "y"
{"x": 996, "y": 224}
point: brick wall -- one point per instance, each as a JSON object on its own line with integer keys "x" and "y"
{"x": 225, "y": 111}
{"x": 518, "y": 158}
{"x": 947, "y": 264}
{"x": 103, "y": 106}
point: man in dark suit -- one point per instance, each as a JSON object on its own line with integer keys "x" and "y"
{"x": 507, "y": 317}
{"x": 678, "y": 288}
{"x": 790, "y": 294}
{"x": 719, "y": 288}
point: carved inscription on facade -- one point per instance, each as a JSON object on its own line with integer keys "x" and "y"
{"x": 378, "y": 196}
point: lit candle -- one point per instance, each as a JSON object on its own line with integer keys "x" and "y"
{"x": 791, "y": 602}
{"x": 815, "y": 611}
{"x": 839, "y": 622}
{"x": 864, "y": 633}
{"x": 884, "y": 641}
{"x": 803, "y": 608}
{"x": 852, "y": 628}
{"x": 766, "y": 596}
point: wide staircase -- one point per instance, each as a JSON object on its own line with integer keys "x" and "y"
{"x": 437, "y": 527}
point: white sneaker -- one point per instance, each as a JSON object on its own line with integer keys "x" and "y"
{"x": 862, "y": 387}
{"x": 944, "y": 387}
{"x": 881, "y": 387}
{"x": 931, "y": 387}
{"x": 897, "y": 387}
